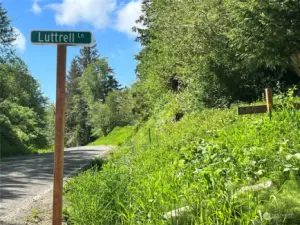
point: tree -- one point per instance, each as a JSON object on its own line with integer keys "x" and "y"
{"x": 145, "y": 20}
{"x": 97, "y": 81}
{"x": 72, "y": 93}
{"x": 265, "y": 31}
{"x": 72, "y": 79}
{"x": 78, "y": 129}
{"x": 116, "y": 111}
{"x": 7, "y": 34}
{"x": 22, "y": 110}
{"x": 22, "y": 105}
{"x": 87, "y": 56}
{"x": 50, "y": 124}
{"x": 205, "y": 52}
{"x": 100, "y": 91}
{"x": 18, "y": 85}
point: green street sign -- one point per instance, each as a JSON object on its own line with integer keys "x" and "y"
{"x": 80, "y": 38}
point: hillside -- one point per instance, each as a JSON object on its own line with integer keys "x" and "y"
{"x": 226, "y": 168}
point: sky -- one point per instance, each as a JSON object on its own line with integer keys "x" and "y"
{"x": 110, "y": 21}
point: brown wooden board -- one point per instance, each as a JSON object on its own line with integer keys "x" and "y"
{"x": 252, "y": 109}
{"x": 256, "y": 109}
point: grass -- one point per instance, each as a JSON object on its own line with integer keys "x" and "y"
{"x": 46, "y": 150}
{"x": 28, "y": 151}
{"x": 202, "y": 161}
{"x": 34, "y": 217}
{"x": 118, "y": 136}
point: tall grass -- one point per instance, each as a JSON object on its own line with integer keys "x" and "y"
{"x": 118, "y": 136}
{"x": 202, "y": 162}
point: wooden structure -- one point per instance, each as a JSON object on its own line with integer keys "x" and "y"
{"x": 62, "y": 39}
{"x": 263, "y": 108}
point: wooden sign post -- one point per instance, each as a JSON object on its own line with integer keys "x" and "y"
{"x": 269, "y": 101}
{"x": 62, "y": 39}
{"x": 263, "y": 108}
{"x": 59, "y": 134}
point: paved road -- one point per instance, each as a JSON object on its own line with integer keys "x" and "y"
{"x": 24, "y": 178}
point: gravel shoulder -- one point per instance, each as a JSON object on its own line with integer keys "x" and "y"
{"x": 26, "y": 184}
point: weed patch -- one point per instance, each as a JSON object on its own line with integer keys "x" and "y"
{"x": 210, "y": 162}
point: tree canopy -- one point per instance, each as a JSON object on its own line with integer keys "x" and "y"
{"x": 22, "y": 110}
{"x": 209, "y": 53}
{"x": 214, "y": 53}
{"x": 90, "y": 79}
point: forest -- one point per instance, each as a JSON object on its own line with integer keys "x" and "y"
{"x": 209, "y": 54}
{"x": 96, "y": 102}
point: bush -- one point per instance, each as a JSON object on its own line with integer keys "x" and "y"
{"x": 19, "y": 129}
{"x": 116, "y": 111}
{"x": 9, "y": 143}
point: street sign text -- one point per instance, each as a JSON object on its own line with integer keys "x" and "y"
{"x": 62, "y": 37}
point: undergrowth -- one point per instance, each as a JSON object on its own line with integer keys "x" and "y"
{"x": 46, "y": 150}
{"x": 118, "y": 136}
{"x": 208, "y": 161}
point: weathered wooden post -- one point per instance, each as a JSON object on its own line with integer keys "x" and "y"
{"x": 269, "y": 101}
{"x": 269, "y": 107}
{"x": 59, "y": 134}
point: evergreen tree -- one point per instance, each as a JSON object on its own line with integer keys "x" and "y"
{"x": 97, "y": 81}
{"x": 87, "y": 56}
{"x": 72, "y": 92}
{"x": 78, "y": 130}
{"x": 105, "y": 101}
{"x": 7, "y": 35}
{"x": 145, "y": 20}
{"x": 74, "y": 73}
{"x": 112, "y": 83}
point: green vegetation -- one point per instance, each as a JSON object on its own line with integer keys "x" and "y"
{"x": 45, "y": 150}
{"x": 78, "y": 130}
{"x": 95, "y": 102}
{"x": 35, "y": 216}
{"x": 215, "y": 53}
{"x": 7, "y": 35}
{"x": 201, "y": 161}
{"x": 190, "y": 148}
{"x": 118, "y": 136}
{"x": 89, "y": 114}
{"x": 22, "y": 105}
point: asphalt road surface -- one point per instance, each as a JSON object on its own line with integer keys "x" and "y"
{"x": 23, "y": 179}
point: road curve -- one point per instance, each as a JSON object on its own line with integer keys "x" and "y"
{"x": 23, "y": 179}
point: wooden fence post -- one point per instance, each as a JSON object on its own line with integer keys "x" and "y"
{"x": 269, "y": 101}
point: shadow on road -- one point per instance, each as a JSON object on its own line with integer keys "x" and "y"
{"x": 20, "y": 177}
